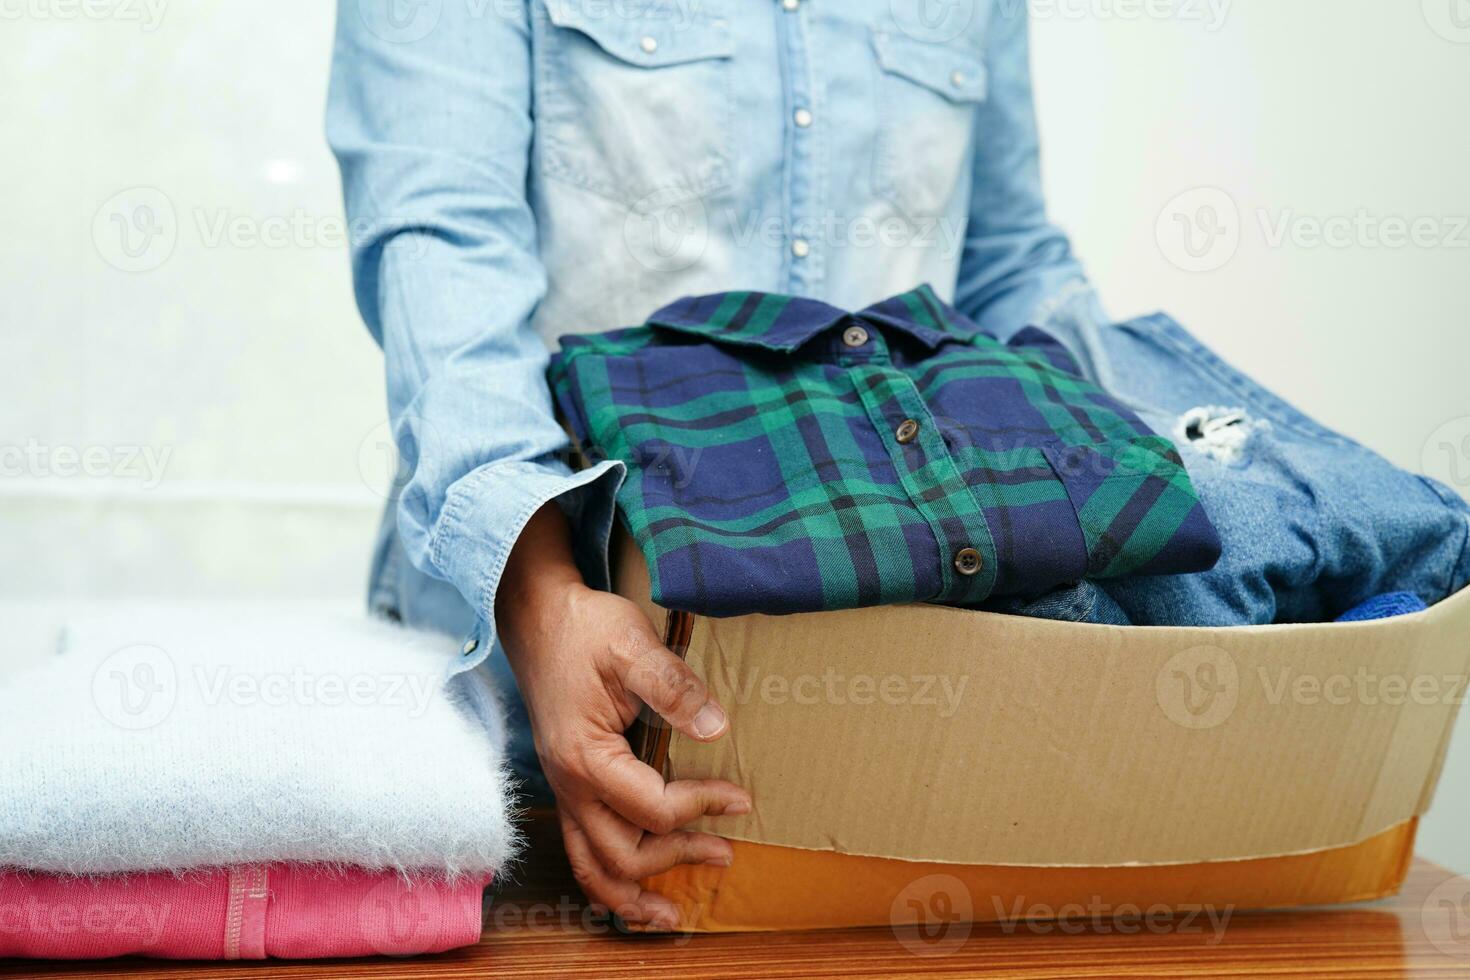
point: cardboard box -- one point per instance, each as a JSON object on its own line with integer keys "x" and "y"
{"x": 916, "y": 759}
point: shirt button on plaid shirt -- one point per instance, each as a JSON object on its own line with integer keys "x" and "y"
{"x": 775, "y": 466}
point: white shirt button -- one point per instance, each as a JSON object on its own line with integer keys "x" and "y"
{"x": 803, "y": 117}
{"x": 958, "y": 78}
{"x": 790, "y": 4}
{"x": 801, "y": 248}
{"x": 648, "y": 44}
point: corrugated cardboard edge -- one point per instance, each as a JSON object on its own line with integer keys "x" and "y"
{"x": 1346, "y": 773}
{"x": 1449, "y": 627}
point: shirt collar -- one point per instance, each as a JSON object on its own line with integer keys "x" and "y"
{"x": 922, "y": 315}
{"x": 784, "y": 323}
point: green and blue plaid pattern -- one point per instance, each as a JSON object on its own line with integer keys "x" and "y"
{"x": 787, "y": 456}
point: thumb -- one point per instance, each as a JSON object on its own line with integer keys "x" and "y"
{"x": 671, "y": 688}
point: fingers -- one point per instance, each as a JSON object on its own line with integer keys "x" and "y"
{"x": 669, "y": 686}
{"x": 640, "y": 795}
{"x": 620, "y": 896}
{"x": 626, "y": 852}
{"x": 621, "y": 822}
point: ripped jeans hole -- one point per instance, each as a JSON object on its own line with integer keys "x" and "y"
{"x": 1223, "y": 434}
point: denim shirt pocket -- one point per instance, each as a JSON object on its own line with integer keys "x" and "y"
{"x": 635, "y": 102}
{"x": 927, "y": 96}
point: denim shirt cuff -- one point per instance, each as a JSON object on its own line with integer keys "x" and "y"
{"x": 1075, "y": 316}
{"x": 484, "y": 515}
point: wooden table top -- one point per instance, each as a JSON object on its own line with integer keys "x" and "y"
{"x": 538, "y": 928}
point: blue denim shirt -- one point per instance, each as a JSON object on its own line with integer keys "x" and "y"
{"x": 519, "y": 169}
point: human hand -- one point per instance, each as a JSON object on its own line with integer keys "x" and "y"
{"x": 587, "y": 662}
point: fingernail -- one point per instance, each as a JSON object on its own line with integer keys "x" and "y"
{"x": 666, "y": 920}
{"x": 737, "y": 809}
{"x": 723, "y": 861}
{"x": 710, "y": 721}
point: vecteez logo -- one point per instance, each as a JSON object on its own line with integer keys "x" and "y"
{"x": 136, "y": 687}
{"x": 1446, "y": 917}
{"x": 1445, "y": 455}
{"x": 1450, "y": 19}
{"x": 147, "y": 14}
{"x": 933, "y": 915}
{"x": 1198, "y": 688}
{"x": 1202, "y": 229}
{"x": 1199, "y": 230}
{"x": 666, "y": 236}
{"x": 401, "y": 21}
{"x": 136, "y": 229}
{"x": 933, "y": 21}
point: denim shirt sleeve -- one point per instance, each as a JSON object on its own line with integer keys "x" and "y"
{"x": 1017, "y": 269}
{"x": 431, "y": 125}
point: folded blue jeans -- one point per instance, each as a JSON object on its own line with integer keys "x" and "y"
{"x": 1311, "y": 523}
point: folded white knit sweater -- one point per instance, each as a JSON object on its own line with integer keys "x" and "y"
{"x": 166, "y": 739}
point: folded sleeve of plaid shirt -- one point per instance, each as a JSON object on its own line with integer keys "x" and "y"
{"x": 787, "y": 456}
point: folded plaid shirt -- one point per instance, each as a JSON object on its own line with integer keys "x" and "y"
{"x": 787, "y": 456}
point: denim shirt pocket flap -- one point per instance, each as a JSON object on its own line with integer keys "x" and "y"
{"x": 953, "y": 70}
{"x": 660, "y": 36}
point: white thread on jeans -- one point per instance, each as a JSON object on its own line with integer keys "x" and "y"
{"x": 1223, "y": 434}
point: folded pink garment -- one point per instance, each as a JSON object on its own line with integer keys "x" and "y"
{"x": 242, "y": 912}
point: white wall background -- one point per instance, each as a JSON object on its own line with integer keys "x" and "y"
{"x": 210, "y": 424}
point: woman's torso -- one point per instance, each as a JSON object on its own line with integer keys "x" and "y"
{"x": 812, "y": 147}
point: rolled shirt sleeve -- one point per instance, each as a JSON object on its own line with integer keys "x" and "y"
{"x": 431, "y": 125}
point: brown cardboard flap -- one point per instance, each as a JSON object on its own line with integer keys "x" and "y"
{"x": 933, "y": 734}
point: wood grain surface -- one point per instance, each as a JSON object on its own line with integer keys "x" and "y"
{"x": 539, "y": 928}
